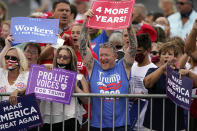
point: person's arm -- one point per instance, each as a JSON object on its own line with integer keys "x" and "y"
{"x": 83, "y": 40}
{"x": 190, "y": 75}
{"x": 85, "y": 88}
{"x": 190, "y": 44}
{"x": 182, "y": 61}
{"x": 152, "y": 78}
{"x": 43, "y": 7}
{"x": 130, "y": 52}
{"x": 13, "y": 96}
{"x": 46, "y": 52}
{"x": 6, "y": 47}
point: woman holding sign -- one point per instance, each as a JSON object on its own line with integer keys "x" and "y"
{"x": 155, "y": 81}
{"x": 64, "y": 58}
{"x": 13, "y": 71}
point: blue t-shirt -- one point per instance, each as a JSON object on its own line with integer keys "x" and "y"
{"x": 157, "y": 109}
{"x": 100, "y": 39}
{"x": 113, "y": 81}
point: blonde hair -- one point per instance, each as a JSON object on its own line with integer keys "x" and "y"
{"x": 6, "y": 22}
{"x": 173, "y": 7}
{"x": 23, "y": 65}
{"x": 73, "y": 57}
{"x": 4, "y": 9}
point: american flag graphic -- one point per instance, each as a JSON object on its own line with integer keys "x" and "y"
{"x": 20, "y": 85}
{"x": 3, "y": 89}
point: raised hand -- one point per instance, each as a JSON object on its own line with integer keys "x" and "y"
{"x": 8, "y": 40}
{"x": 195, "y": 25}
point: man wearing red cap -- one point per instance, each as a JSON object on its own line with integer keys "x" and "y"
{"x": 145, "y": 28}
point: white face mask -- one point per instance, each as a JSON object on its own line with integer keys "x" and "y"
{"x": 161, "y": 26}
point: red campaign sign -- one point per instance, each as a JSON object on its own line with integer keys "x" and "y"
{"x": 111, "y": 15}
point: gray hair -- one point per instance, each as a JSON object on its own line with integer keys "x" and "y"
{"x": 116, "y": 37}
{"x": 108, "y": 45}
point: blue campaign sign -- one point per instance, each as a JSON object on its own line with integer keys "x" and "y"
{"x": 24, "y": 115}
{"x": 179, "y": 90}
{"x": 36, "y": 30}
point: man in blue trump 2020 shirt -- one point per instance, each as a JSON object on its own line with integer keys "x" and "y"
{"x": 108, "y": 77}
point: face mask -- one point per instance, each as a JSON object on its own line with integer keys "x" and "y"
{"x": 64, "y": 66}
{"x": 139, "y": 57}
{"x": 11, "y": 64}
{"x": 161, "y": 26}
{"x": 155, "y": 59}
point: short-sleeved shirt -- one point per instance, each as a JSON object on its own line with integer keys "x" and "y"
{"x": 20, "y": 83}
{"x": 176, "y": 26}
{"x": 157, "y": 108}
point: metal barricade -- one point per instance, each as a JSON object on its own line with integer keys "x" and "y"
{"x": 127, "y": 96}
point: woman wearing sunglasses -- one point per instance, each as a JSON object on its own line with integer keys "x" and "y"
{"x": 14, "y": 71}
{"x": 64, "y": 58}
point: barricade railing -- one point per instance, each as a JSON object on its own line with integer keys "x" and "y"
{"x": 127, "y": 96}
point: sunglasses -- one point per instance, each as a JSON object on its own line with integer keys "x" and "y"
{"x": 118, "y": 47}
{"x": 13, "y": 58}
{"x": 182, "y": 3}
{"x": 63, "y": 56}
{"x": 154, "y": 52}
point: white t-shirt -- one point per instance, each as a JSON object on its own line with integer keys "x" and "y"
{"x": 194, "y": 70}
{"x": 137, "y": 86}
{"x": 5, "y": 87}
{"x": 137, "y": 77}
{"x": 56, "y": 110}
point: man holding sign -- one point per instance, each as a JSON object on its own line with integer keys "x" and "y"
{"x": 108, "y": 77}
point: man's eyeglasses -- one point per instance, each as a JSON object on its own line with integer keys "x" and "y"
{"x": 154, "y": 52}
{"x": 182, "y": 3}
{"x": 13, "y": 58}
{"x": 31, "y": 52}
{"x": 63, "y": 56}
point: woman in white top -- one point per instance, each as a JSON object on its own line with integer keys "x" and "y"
{"x": 13, "y": 70}
{"x": 64, "y": 58}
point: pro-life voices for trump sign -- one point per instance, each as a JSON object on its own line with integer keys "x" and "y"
{"x": 36, "y": 30}
{"x": 24, "y": 115}
{"x": 179, "y": 90}
{"x": 56, "y": 85}
{"x": 111, "y": 15}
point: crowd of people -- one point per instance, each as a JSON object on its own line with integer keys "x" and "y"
{"x": 127, "y": 61}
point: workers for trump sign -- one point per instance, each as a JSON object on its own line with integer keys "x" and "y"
{"x": 179, "y": 90}
{"x": 24, "y": 115}
{"x": 24, "y": 29}
{"x": 56, "y": 85}
{"x": 111, "y": 15}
